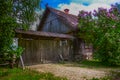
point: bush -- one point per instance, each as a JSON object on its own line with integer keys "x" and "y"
{"x": 12, "y": 56}
{"x": 102, "y": 29}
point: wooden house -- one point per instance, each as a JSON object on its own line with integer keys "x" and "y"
{"x": 54, "y": 40}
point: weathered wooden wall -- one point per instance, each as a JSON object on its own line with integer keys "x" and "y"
{"x": 53, "y": 24}
{"x": 44, "y": 51}
{"x": 82, "y": 50}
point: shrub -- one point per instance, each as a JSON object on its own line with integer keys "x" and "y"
{"x": 102, "y": 29}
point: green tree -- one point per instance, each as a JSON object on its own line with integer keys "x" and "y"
{"x": 102, "y": 29}
{"x": 15, "y": 14}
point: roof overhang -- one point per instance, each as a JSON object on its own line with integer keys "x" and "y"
{"x": 41, "y": 35}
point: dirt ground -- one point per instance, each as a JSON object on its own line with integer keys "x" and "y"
{"x": 72, "y": 73}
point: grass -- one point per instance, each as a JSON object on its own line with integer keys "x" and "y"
{"x": 96, "y": 64}
{"x": 19, "y": 74}
{"x": 92, "y": 64}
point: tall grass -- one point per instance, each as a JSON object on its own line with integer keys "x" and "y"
{"x": 19, "y": 74}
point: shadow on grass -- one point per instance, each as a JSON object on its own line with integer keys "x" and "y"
{"x": 94, "y": 64}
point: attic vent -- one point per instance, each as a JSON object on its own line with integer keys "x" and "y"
{"x": 66, "y": 11}
{"x": 58, "y": 12}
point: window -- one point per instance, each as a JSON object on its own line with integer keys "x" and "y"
{"x": 63, "y": 42}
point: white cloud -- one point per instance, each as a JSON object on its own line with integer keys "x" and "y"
{"x": 75, "y": 7}
{"x": 96, "y": 1}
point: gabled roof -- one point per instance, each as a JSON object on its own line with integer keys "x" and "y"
{"x": 69, "y": 19}
{"x": 38, "y": 34}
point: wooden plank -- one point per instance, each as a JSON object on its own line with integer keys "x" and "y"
{"x": 37, "y": 51}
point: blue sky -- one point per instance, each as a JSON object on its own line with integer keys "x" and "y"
{"x": 76, "y": 5}
{"x": 54, "y": 3}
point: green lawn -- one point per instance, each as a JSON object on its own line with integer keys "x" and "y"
{"x": 92, "y": 64}
{"x": 96, "y": 64}
{"x": 19, "y": 74}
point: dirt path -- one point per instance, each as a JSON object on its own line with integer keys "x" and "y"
{"x": 72, "y": 73}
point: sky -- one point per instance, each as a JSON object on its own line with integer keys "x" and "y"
{"x": 76, "y": 5}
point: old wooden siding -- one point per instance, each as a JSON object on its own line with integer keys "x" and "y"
{"x": 53, "y": 24}
{"x": 44, "y": 51}
{"x": 87, "y": 50}
{"x": 82, "y": 50}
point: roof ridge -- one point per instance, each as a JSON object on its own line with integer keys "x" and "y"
{"x": 61, "y": 11}
{"x": 70, "y": 19}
